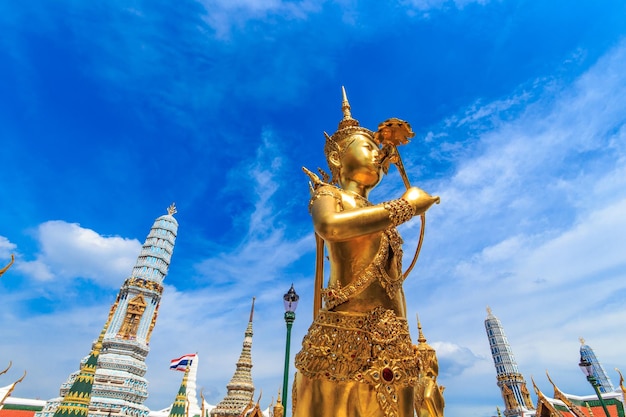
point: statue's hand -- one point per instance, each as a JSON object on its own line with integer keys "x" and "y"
{"x": 420, "y": 200}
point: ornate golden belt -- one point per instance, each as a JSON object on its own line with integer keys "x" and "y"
{"x": 367, "y": 347}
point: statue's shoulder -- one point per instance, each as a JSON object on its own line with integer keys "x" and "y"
{"x": 320, "y": 187}
{"x": 327, "y": 190}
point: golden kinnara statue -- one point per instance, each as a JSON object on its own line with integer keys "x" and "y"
{"x": 357, "y": 359}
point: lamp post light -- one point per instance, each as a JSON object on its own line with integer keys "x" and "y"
{"x": 290, "y": 300}
{"x": 587, "y": 369}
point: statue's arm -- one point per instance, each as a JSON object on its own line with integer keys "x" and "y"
{"x": 336, "y": 226}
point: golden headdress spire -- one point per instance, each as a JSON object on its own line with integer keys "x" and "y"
{"x": 420, "y": 337}
{"x": 347, "y": 120}
{"x": 348, "y": 125}
{"x": 426, "y": 354}
{"x": 278, "y": 409}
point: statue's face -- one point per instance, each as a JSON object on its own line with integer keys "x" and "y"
{"x": 359, "y": 160}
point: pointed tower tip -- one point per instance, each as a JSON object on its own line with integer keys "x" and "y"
{"x": 488, "y": 311}
{"x": 252, "y": 310}
{"x": 171, "y": 210}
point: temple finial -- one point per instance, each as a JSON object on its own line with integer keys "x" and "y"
{"x": 581, "y": 340}
{"x": 171, "y": 210}
{"x": 252, "y": 309}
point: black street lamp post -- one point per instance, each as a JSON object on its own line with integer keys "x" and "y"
{"x": 290, "y": 299}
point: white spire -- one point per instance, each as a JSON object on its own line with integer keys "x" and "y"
{"x": 192, "y": 398}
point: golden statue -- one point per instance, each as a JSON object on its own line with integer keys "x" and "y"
{"x": 278, "y": 410}
{"x": 357, "y": 358}
{"x": 429, "y": 400}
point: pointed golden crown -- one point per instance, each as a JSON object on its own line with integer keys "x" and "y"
{"x": 348, "y": 125}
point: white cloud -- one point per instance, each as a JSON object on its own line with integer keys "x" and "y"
{"x": 453, "y": 359}
{"x": 535, "y": 209}
{"x": 427, "y": 5}
{"x": 48, "y": 346}
{"x": 6, "y": 248}
{"x": 266, "y": 246}
{"x": 223, "y": 15}
{"x": 531, "y": 224}
{"x": 68, "y": 251}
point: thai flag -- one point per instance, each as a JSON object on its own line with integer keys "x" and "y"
{"x": 181, "y": 363}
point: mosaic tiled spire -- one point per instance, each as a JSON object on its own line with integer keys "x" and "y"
{"x": 77, "y": 398}
{"x": 511, "y": 382}
{"x": 605, "y": 384}
{"x": 119, "y": 387}
{"x": 240, "y": 388}
{"x": 179, "y": 408}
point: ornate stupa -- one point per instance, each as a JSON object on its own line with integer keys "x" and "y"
{"x": 510, "y": 380}
{"x": 119, "y": 387}
{"x": 240, "y": 389}
{"x": 598, "y": 372}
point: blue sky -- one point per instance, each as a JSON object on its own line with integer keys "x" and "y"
{"x": 111, "y": 111}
